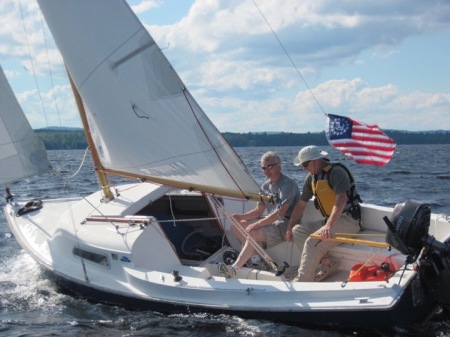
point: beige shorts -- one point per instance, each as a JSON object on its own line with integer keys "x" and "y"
{"x": 275, "y": 232}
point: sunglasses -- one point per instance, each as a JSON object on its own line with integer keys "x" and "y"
{"x": 306, "y": 163}
{"x": 268, "y": 167}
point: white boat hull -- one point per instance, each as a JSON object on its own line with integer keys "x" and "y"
{"x": 133, "y": 260}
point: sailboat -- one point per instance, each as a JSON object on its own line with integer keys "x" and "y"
{"x": 155, "y": 242}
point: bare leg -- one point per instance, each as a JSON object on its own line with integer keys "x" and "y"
{"x": 248, "y": 250}
{"x": 237, "y": 234}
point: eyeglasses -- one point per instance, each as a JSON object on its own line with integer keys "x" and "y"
{"x": 268, "y": 167}
{"x": 306, "y": 163}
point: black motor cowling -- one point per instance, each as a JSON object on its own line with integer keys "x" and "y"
{"x": 409, "y": 226}
{"x": 408, "y": 233}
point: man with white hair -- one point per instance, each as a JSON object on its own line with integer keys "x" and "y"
{"x": 268, "y": 230}
{"x": 333, "y": 187}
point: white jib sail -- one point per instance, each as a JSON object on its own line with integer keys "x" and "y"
{"x": 22, "y": 154}
{"x": 143, "y": 119}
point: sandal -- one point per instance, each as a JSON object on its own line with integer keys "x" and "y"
{"x": 326, "y": 270}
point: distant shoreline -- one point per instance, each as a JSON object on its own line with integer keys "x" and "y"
{"x": 74, "y": 138}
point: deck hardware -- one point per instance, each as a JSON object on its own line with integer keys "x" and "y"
{"x": 363, "y": 299}
{"x": 176, "y": 276}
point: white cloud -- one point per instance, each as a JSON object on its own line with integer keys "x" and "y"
{"x": 231, "y": 61}
{"x": 55, "y": 107}
{"x": 145, "y": 5}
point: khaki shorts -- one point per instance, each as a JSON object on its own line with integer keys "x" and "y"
{"x": 275, "y": 232}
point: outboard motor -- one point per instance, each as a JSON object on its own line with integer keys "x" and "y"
{"x": 409, "y": 226}
{"x": 408, "y": 233}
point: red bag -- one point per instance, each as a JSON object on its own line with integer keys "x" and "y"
{"x": 373, "y": 272}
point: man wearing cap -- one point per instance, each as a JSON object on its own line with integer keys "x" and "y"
{"x": 333, "y": 187}
{"x": 270, "y": 229}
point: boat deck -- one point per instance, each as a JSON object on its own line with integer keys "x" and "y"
{"x": 347, "y": 254}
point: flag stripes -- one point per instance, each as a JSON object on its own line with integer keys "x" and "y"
{"x": 365, "y": 144}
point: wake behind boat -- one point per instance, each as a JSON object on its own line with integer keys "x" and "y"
{"x": 156, "y": 242}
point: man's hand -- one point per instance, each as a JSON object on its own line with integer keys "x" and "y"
{"x": 288, "y": 235}
{"x": 253, "y": 226}
{"x": 237, "y": 217}
{"x": 325, "y": 232}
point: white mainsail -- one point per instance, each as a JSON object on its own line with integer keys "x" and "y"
{"x": 22, "y": 153}
{"x": 144, "y": 122}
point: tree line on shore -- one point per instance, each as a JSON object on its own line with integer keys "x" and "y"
{"x": 69, "y": 139}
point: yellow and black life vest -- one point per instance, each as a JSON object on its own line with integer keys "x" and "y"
{"x": 325, "y": 197}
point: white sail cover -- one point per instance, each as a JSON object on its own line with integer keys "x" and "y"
{"x": 22, "y": 154}
{"x": 143, "y": 120}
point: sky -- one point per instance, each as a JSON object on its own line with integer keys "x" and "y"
{"x": 265, "y": 65}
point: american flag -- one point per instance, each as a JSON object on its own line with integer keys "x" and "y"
{"x": 365, "y": 144}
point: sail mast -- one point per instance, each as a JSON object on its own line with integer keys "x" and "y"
{"x": 103, "y": 180}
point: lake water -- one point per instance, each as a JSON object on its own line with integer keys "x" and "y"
{"x": 30, "y": 305}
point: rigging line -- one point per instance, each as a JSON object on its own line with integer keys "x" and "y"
{"x": 50, "y": 69}
{"x": 81, "y": 165}
{"x": 184, "y": 90}
{"x": 290, "y": 59}
{"x": 32, "y": 64}
{"x": 193, "y": 220}
{"x": 133, "y": 219}
{"x": 369, "y": 260}
{"x": 67, "y": 192}
{"x": 171, "y": 210}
